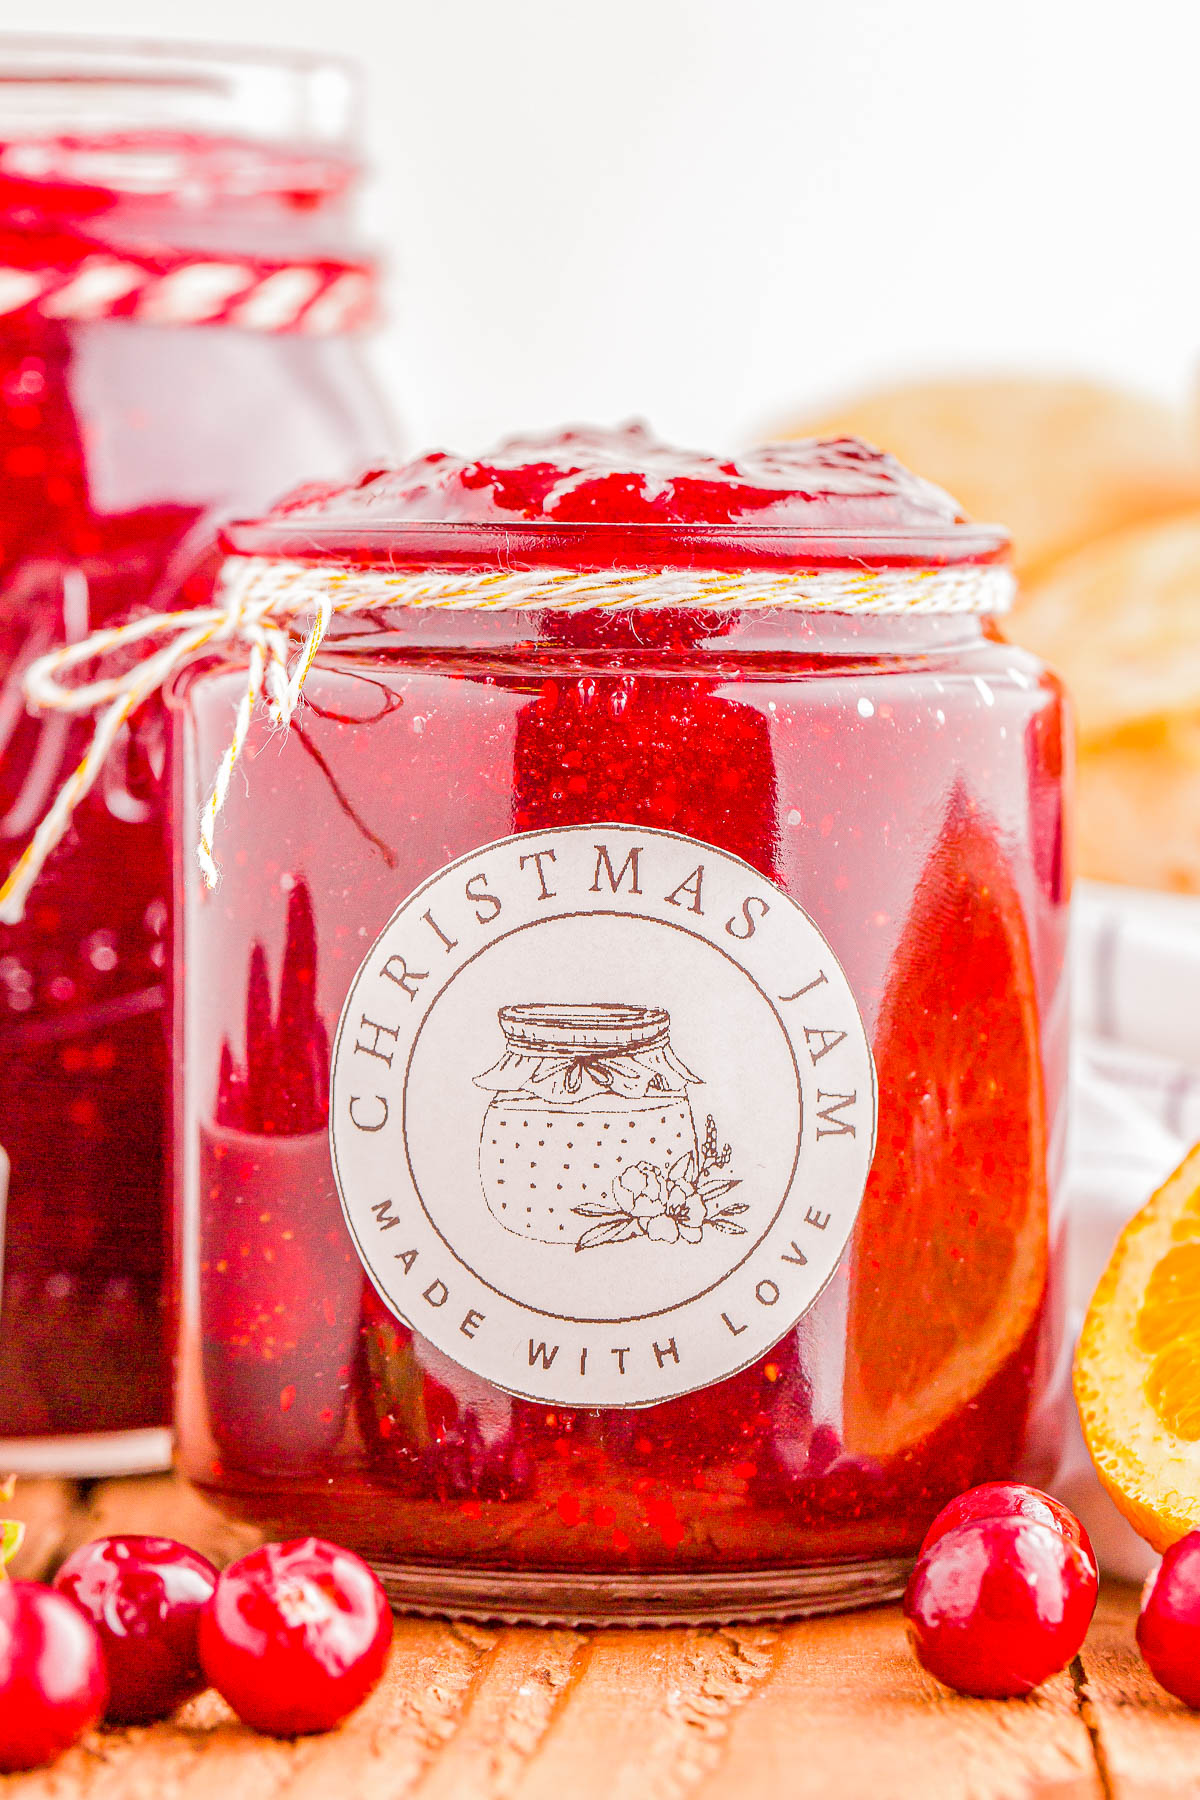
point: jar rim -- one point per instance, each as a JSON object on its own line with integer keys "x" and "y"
{"x": 451, "y": 543}
{"x": 88, "y": 86}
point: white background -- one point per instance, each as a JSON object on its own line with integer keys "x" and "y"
{"x": 716, "y": 212}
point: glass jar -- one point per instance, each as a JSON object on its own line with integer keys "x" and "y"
{"x": 178, "y": 297}
{"x": 670, "y": 1225}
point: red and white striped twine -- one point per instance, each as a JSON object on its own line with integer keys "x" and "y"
{"x": 318, "y": 298}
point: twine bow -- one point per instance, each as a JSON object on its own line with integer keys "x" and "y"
{"x": 254, "y": 625}
{"x": 582, "y": 1074}
{"x": 259, "y": 598}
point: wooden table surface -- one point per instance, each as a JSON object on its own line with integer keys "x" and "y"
{"x": 831, "y": 1707}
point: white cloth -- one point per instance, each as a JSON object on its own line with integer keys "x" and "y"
{"x": 1136, "y": 1114}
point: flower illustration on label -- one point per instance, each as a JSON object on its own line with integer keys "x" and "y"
{"x": 675, "y": 1205}
{"x": 602, "y": 1112}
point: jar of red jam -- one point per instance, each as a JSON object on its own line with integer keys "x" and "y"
{"x": 179, "y": 293}
{"x": 622, "y": 1057}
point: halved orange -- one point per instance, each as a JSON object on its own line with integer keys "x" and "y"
{"x": 1137, "y": 1368}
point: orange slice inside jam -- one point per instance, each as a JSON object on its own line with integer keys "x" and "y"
{"x": 950, "y": 1252}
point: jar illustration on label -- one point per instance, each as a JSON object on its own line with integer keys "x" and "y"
{"x": 590, "y": 1138}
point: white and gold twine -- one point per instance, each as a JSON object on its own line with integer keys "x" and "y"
{"x": 259, "y": 598}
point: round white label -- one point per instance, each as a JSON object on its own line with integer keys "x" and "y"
{"x": 603, "y": 1110}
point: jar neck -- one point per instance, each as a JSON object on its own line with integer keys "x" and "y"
{"x": 650, "y": 635}
{"x": 151, "y": 153}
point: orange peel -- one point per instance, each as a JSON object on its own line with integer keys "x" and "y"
{"x": 1137, "y": 1367}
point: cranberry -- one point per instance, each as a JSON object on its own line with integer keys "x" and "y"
{"x": 1010, "y": 1500}
{"x": 1168, "y": 1627}
{"x": 296, "y": 1636}
{"x": 996, "y": 1606}
{"x": 144, "y": 1595}
{"x": 52, "y": 1680}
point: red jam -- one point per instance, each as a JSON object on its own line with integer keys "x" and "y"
{"x": 628, "y": 477}
{"x": 121, "y": 440}
{"x": 898, "y": 776}
{"x": 591, "y": 498}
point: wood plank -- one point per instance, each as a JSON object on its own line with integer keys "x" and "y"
{"x": 1148, "y": 1744}
{"x": 382, "y": 1753}
{"x": 518, "y": 1693}
{"x": 833, "y": 1706}
{"x": 647, "y": 1715}
{"x": 847, "y": 1711}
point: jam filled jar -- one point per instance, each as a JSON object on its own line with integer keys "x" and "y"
{"x": 178, "y": 299}
{"x": 620, "y": 1029}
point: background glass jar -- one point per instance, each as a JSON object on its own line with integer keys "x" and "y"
{"x": 178, "y": 294}
{"x": 901, "y": 778}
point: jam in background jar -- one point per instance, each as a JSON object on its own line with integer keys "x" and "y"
{"x": 176, "y": 281}
{"x": 551, "y": 867}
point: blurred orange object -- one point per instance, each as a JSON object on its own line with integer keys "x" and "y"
{"x": 1059, "y": 462}
{"x": 1138, "y": 809}
{"x": 1101, "y": 491}
{"x": 1120, "y": 621}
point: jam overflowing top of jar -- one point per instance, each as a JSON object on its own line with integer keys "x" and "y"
{"x": 627, "y": 476}
{"x": 621, "y": 496}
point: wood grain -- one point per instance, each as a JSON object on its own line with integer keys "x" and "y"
{"x": 648, "y": 1715}
{"x": 850, "y": 1713}
{"x": 832, "y": 1707}
{"x": 1147, "y": 1744}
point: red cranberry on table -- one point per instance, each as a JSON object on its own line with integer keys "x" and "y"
{"x": 144, "y": 1595}
{"x": 1005, "y": 1500}
{"x": 998, "y": 1605}
{"x": 53, "y": 1685}
{"x": 296, "y": 1636}
{"x": 1168, "y": 1627}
